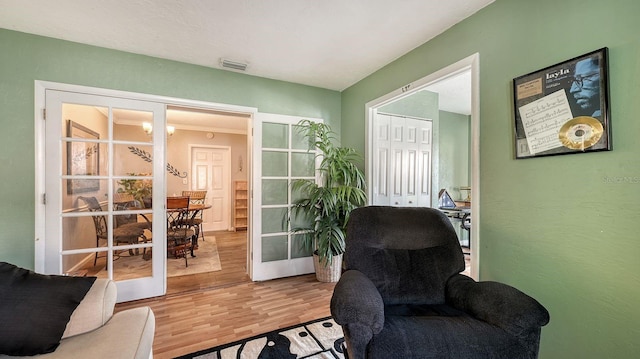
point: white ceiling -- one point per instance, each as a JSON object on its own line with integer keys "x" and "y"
{"x": 325, "y": 43}
{"x": 186, "y": 119}
{"x": 454, "y": 93}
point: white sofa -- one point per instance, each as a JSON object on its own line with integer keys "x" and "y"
{"x": 93, "y": 331}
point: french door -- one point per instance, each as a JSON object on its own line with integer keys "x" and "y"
{"x": 280, "y": 155}
{"x": 96, "y": 149}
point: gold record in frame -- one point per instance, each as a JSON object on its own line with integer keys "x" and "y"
{"x": 580, "y": 133}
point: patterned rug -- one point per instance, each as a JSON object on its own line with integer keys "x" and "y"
{"x": 318, "y": 339}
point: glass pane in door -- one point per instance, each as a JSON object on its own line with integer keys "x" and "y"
{"x": 101, "y": 166}
{"x": 274, "y": 191}
{"x": 84, "y": 165}
{"x": 132, "y": 188}
{"x": 275, "y": 135}
{"x": 107, "y": 181}
{"x": 274, "y": 248}
{"x": 285, "y": 157}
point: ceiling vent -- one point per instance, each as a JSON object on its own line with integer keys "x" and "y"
{"x": 234, "y": 65}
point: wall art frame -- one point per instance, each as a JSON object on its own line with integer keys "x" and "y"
{"x": 83, "y": 158}
{"x": 563, "y": 108}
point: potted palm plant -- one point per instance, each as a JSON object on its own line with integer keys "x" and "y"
{"x": 322, "y": 209}
{"x": 140, "y": 189}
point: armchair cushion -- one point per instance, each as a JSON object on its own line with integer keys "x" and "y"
{"x": 408, "y": 253}
{"x": 430, "y": 336}
{"x": 400, "y": 277}
{"x": 35, "y": 309}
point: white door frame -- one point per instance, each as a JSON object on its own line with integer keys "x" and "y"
{"x": 469, "y": 63}
{"x": 40, "y": 88}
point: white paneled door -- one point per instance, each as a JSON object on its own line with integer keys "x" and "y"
{"x": 211, "y": 168}
{"x": 402, "y": 161}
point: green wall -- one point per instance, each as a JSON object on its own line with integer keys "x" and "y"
{"x": 423, "y": 104}
{"x": 454, "y": 153}
{"x": 25, "y": 58}
{"x": 564, "y": 228}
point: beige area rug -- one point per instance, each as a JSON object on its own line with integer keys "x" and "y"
{"x": 130, "y": 267}
{"x": 206, "y": 260}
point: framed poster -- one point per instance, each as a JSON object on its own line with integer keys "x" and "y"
{"x": 564, "y": 108}
{"x": 83, "y": 159}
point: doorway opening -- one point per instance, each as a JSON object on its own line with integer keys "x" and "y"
{"x": 449, "y": 98}
{"x": 214, "y": 146}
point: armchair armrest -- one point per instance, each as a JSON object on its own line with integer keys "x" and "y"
{"x": 356, "y": 300}
{"x": 357, "y": 306}
{"x": 498, "y": 304}
{"x": 95, "y": 309}
{"x": 128, "y": 334}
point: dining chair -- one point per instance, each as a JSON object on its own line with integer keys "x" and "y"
{"x": 124, "y": 231}
{"x": 124, "y": 202}
{"x": 196, "y": 219}
{"x": 180, "y": 235}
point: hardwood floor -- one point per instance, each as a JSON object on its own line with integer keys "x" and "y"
{"x": 205, "y": 310}
{"x": 232, "y": 249}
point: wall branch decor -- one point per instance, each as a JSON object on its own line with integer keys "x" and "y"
{"x": 175, "y": 172}
{"x": 146, "y": 156}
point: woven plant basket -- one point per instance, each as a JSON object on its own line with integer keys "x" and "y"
{"x": 330, "y": 273}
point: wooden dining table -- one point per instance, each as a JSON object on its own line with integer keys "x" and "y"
{"x": 195, "y": 208}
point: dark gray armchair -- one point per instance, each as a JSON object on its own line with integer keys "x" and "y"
{"x": 402, "y": 295}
